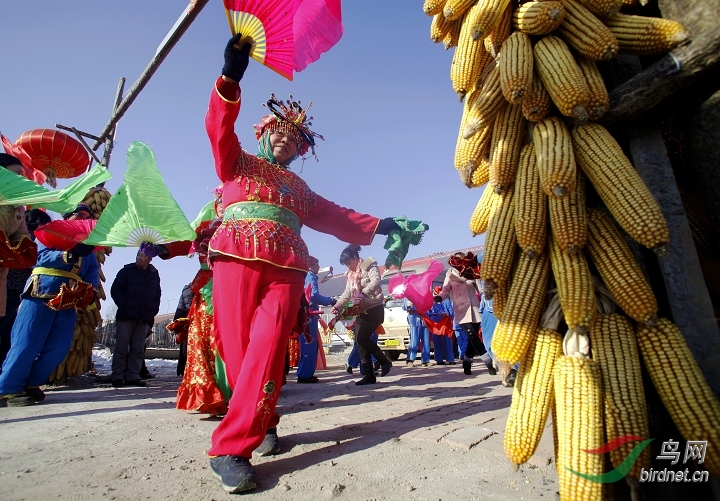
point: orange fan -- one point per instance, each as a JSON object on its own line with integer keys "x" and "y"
{"x": 54, "y": 153}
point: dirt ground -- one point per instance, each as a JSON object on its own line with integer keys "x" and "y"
{"x": 419, "y": 434}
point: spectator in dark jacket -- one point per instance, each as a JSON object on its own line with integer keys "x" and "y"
{"x": 182, "y": 310}
{"x": 136, "y": 292}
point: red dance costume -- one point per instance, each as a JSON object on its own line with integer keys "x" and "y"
{"x": 259, "y": 265}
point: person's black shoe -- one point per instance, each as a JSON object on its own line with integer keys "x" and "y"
{"x": 467, "y": 364}
{"x": 146, "y": 375}
{"x": 311, "y": 379}
{"x": 368, "y": 379}
{"x": 235, "y": 472}
{"x": 376, "y": 366}
{"x": 348, "y": 368}
{"x": 270, "y": 445}
{"x": 440, "y": 363}
{"x": 136, "y": 382}
{"x": 386, "y": 367}
{"x": 35, "y": 392}
{"x": 118, "y": 383}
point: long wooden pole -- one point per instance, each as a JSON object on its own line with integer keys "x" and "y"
{"x": 181, "y": 25}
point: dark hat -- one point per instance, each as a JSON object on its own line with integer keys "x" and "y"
{"x": 79, "y": 208}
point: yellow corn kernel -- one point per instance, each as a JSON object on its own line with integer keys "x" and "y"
{"x": 433, "y": 7}
{"x": 507, "y": 137}
{"x": 470, "y": 153}
{"x": 615, "y": 349}
{"x": 561, "y": 76}
{"x": 454, "y": 9}
{"x": 439, "y": 28}
{"x": 575, "y": 287}
{"x": 619, "y": 185}
{"x": 493, "y": 42}
{"x": 484, "y": 16}
{"x": 532, "y": 397}
{"x": 568, "y": 218}
{"x": 480, "y": 174}
{"x": 530, "y": 205}
{"x": 644, "y": 36}
{"x": 586, "y": 34}
{"x": 578, "y": 405}
{"x": 500, "y": 244}
{"x": 682, "y": 387}
{"x": 484, "y": 210}
{"x": 452, "y": 37}
{"x": 500, "y": 299}
{"x": 538, "y": 18}
{"x": 468, "y": 62}
{"x": 516, "y": 67}
{"x": 598, "y": 98}
{"x": 618, "y": 268}
{"x": 486, "y": 105}
{"x": 555, "y": 157}
{"x": 518, "y": 330}
{"x": 537, "y": 103}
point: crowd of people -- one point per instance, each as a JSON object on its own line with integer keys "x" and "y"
{"x": 257, "y": 285}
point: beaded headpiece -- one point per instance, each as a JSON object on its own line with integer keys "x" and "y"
{"x": 289, "y": 117}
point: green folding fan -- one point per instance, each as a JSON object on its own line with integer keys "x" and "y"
{"x": 17, "y": 190}
{"x": 142, "y": 210}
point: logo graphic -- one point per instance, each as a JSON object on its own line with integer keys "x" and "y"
{"x": 623, "y": 468}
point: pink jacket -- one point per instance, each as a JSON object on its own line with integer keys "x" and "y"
{"x": 465, "y": 297}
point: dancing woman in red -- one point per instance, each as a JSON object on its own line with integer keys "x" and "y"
{"x": 259, "y": 262}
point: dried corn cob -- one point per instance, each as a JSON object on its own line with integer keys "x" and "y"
{"x": 518, "y": 330}
{"x": 598, "y": 99}
{"x": 481, "y": 173}
{"x": 468, "y": 62}
{"x": 439, "y": 28}
{"x": 619, "y": 270}
{"x": 682, "y": 387}
{"x": 433, "y": 7}
{"x": 615, "y": 349}
{"x": 620, "y": 186}
{"x": 643, "y": 36}
{"x": 516, "y": 67}
{"x": 568, "y": 218}
{"x": 469, "y": 153}
{"x": 578, "y": 405}
{"x": 499, "y": 244}
{"x": 555, "y": 157}
{"x": 454, "y": 9}
{"x": 537, "y": 103}
{"x": 561, "y": 76}
{"x": 586, "y": 34}
{"x": 538, "y": 18}
{"x": 493, "y": 42}
{"x": 500, "y": 299}
{"x": 484, "y": 16}
{"x": 484, "y": 210}
{"x": 486, "y": 105}
{"x": 452, "y": 37}
{"x": 602, "y": 8}
{"x": 575, "y": 286}
{"x": 532, "y": 397}
{"x": 507, "y": 140}
{"x": 530, "y": 206}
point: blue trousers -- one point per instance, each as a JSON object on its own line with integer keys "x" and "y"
{"x": 308, "y": 351}
{"x": 354, "y": 359}
{"x": 40, "y": 340}
{"x": 462, "y": 341}
{"x": 443, "y": 348}
{"x": 7, "y": 322}
{"x": 418, "y": 330}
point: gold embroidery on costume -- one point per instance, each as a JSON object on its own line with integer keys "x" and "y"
{"x": 264, "y": 406}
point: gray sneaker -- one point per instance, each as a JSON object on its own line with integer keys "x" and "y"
{"x": 235, "y": 472}
{"x": 270, "y": 445}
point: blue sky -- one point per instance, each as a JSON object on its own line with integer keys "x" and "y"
{"x": 381, "y": 97}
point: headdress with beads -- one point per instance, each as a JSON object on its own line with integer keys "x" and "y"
{"x": 289, "y": 117}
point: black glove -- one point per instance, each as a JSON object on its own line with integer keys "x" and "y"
{"x": 438, "y": 299}
{"x": 334, "y": 302}
{"x": 236, "y": 60}
{"x": 80, "y": 250}
{"x": 385, "y": 226}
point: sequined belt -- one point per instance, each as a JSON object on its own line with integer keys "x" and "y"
{"x": 263, "y": 211}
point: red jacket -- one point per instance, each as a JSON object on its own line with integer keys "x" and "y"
{"x": 246, "y": 177}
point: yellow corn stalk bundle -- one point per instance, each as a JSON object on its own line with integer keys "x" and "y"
{"x": 518, "y": 329}
{"x": 620, "y": 186}
{"x": 76, "y": 362}
{"x": 532, "y": 397}
{"x": 579, "y": 409}
{"x": 682, "y": 387}
{"x": 530, "y": 209}
{"x": 615, "y": 349}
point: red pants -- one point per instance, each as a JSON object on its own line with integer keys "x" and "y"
{"x": 255, "y": 306}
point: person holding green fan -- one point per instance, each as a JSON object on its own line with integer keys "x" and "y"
{"x": 260, "y": 260}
